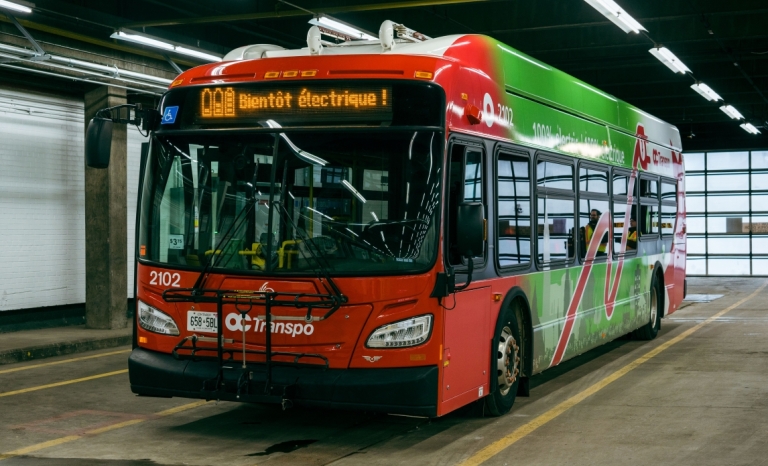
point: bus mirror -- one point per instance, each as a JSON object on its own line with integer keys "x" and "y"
{"x": 98, "y": 143}
{"x": 470, "y": 223}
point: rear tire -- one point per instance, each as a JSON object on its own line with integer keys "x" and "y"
{"x": 505, "y": 354}
{"x": 651, "y": 329}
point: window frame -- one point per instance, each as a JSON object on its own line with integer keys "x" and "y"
{"x": 555, "y": 193}
{"x": 648, "y": 201}
{"x": 514, "y": 152}
{"x": 480, "y": 263}
{"x": 624, "y": 198}
{"x": 591, "y": 196}
{"x": 672, "y": 203}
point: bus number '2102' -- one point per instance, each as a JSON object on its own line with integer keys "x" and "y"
{"x": 164, "y": 279}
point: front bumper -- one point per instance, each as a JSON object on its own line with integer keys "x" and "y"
{"x": 411, "y": 390}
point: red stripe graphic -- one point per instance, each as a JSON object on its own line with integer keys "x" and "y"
{"x": 640, "y": 158}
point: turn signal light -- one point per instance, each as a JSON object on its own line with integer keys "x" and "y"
{"x": 423, "y": 75}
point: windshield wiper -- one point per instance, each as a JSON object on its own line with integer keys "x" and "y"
{"x": 317, "y": 256}
{"x": 223, "y": 243}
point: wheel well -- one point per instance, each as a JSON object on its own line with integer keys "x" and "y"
{"x": 517, "y": 298}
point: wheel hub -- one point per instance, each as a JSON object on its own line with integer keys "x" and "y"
{"x": 507, "y": 360}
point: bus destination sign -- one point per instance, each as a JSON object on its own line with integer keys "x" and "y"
{"x": 294, "y": 103}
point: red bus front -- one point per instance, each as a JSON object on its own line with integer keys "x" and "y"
{"x": 288, "y": 249}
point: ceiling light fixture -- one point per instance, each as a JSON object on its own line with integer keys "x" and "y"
{"x": 666, "y": 56}
{"x": 131, "y": 36}
{"x": 732, "y": 112}
{"x": 617, "y": 15}
{"x": 706, "y": 92}
{"x": 21, "y": 7}
{"x": 339, "y": 29}
{"x": 748, "y": 127}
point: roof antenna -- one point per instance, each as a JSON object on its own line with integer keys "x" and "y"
{"x": 313, "y": 41}
{"x": 387, "y": 35}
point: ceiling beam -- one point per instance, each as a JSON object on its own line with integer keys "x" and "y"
{"x": 90, "y": 40}
{"x": 291, "y": 13}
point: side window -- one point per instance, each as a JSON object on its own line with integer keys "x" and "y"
{"x": 668, "y": 207}
{"x": 649, "y": 206}
{"x": 555, "y": 212}
{"x": 465, "y": 185}
{"x": 513, "y": 188}
{"x": 624, "y": 214}
{"x": 593, "y": 204}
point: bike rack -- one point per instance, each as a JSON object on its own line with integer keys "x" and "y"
{"x": 244, "y": 302}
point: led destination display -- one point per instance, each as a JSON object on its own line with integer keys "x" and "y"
{"x": 294, "y": 103}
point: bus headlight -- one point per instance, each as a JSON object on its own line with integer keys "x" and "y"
{"x": 156, "y": 321}
{"x": 409, "y": 332}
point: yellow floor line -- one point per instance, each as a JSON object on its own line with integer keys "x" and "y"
{"x": 59, "y": 384}
{"x": 119, "y": 425}
{"x": 66, "y": 361}
{"x": 498, "y": 446}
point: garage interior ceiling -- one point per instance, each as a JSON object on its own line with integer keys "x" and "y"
{"x": 725, "y": 44}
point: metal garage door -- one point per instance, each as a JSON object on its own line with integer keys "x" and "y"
{"x": 42, "y": 224}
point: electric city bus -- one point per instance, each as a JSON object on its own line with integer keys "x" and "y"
{"x": 406, "y": 225}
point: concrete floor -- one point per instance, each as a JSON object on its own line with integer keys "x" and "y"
{"x": 701, "y": 401}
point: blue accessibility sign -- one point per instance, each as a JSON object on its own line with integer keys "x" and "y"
{"x": 169, "y": 115}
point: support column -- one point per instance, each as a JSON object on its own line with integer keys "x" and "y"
{"x": 106, "y": 235}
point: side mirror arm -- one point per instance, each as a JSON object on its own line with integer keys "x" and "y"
{"x": 470, "y": 268}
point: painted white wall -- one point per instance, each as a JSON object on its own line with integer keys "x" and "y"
{"x": 42, "y": 200}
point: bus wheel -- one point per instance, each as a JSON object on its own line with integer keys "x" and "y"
{"x": 651, "y": 329}
{"x": 507, "y": 364}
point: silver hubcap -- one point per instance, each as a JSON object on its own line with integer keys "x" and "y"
{"x": 654, "y": 307}
{"x": 507, "y": 360}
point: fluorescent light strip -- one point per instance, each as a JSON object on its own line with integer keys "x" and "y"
{"x": 354, "y": 191}
{"x": 732, "y": 112}
{"x": 748, "y": 127}
{"x": 706, "y": 92}
{"x": 617, "y": 15}
{"x": 338, "y": 26}
{"x": 666, "y": 56}
{"x": 149, "y": 41}
{"x": 15, "y": 6}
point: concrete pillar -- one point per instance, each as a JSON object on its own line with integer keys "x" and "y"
{"x": 106, "y": 281}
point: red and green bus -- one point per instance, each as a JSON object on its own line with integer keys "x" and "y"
{"x": 401, "y": 226}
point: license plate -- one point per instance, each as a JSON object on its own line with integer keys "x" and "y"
{"x": 201, "y": 322}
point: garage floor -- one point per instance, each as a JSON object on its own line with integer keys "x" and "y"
{"x": 697, "y": 395}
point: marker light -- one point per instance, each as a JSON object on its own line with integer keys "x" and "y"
{"x": 165, "y": 45}
{"x": 23, "y": 7}
{"x": 706, "y": 92}
{"x": 155, "y": 320}
{"x": 732, "y": 112}
{"x": 748, "y": 127}
{"x": 666, "y": 56}
{"x": 617, "y": 15}
{"x": 344, "y": 29}
{"x": 409, "y": 332}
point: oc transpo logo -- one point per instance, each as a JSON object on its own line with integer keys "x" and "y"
{"x": 234, "y": 322}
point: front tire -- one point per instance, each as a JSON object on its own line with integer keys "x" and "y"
{"x": 506, "y": 356}
{"x": 651, "y": 329}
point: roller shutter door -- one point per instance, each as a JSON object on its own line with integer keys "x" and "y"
{"x": 42, "y": 200}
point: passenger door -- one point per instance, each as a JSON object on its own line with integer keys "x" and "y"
{"x": 466, "y": 347}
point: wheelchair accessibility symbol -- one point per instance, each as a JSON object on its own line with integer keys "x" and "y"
{"x": 169, "y": 116}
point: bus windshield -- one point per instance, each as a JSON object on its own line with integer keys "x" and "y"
{"x": 347, "y": 203}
